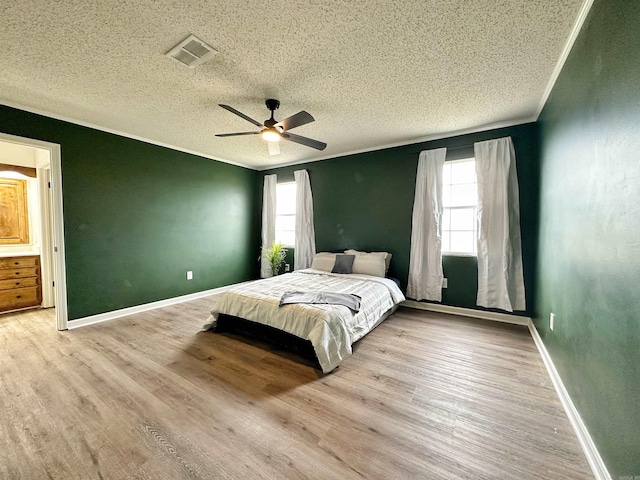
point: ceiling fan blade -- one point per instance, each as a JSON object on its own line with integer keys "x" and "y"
{"x": 235, "y": 134}
{"x": 274, "y": 148}
{"x": 240, "y": 114}
{"x": 309, "y": 142}
{"x": 300, "y": 118}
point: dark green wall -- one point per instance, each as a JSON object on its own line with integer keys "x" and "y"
{"x": 589, "y": 268}
{"x": 365, "y": 201}
{"x": 138, "y": 216}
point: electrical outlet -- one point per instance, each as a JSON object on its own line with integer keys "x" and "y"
{"x": 286, "y": 267}
{"x": 444, "y": 283}
{"x": 189, "y": 275}
{"x": 552, "y": 319}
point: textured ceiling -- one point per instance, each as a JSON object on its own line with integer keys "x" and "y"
{"x": 372, "y": 73}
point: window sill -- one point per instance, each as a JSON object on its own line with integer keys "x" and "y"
{"x": 457, "y": 254}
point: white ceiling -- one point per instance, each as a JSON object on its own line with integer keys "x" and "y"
{"x": 373, "y": 73}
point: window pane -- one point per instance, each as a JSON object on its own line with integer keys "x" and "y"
{"x": 462, "y": 242}
{"x": 446, "y": 219}
{"x": 464, "y": 195}
{"x": 459, "y": 199}
{"x": 446, "y": 195}
{"x": 446, "y": 173}
{"x": 445, "y": 242}
{"x": 286, "y": 213}
{"x": 463, "y": 219}
{"x": 463, "y": 172}
{"x": 288, "y": 237}
{"x": 285, "y": 222}
{"x": 286, "y": 198}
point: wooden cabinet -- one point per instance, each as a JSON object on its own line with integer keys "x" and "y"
{"x": 20, "y": 285}
{"x": 14, "y": 219}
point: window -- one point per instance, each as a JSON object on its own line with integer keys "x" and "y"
{"x": 286, "y": 213}
{"x": 460, "y": 205}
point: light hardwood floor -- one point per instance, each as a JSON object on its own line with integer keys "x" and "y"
{"x": 425, "y": 396}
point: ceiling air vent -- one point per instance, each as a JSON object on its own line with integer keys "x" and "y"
{"x": 191, "y": 52}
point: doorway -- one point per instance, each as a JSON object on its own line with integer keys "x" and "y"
{"x": 45, "y": 158}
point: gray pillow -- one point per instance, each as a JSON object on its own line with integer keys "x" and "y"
{"x": 344, "y": 264}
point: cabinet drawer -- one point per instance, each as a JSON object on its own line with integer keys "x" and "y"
{"x": 18, "y": 283}
{"x": 19, "y": 297}
{"x": 19, "y": 262}
{"x": 19, "y": 273}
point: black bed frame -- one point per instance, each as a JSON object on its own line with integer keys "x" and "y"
{"x": 268, "y": 335}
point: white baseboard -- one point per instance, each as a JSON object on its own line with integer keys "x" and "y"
{"x": 467, "y": 312}
{"x": 593, "y": 457}
{"x": 105, "y": 317}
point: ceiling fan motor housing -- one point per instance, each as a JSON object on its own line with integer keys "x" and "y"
{"x": 272, "y": 104}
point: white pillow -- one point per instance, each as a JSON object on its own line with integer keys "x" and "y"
{"x": 324, "y": 261}
{"x": 385, "y": 255}
{"x": 368, "y": 265}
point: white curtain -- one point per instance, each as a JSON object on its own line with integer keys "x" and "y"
{"x": 425, "y": 261}
{"x": 305, "y": 244}
{"x": 500, "y": 277}
{"x": 268, "y": 221}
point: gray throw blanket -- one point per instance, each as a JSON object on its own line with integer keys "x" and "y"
{"x": 348, "y": 300}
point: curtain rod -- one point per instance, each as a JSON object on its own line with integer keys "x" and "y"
{"x": 459, "y": 147}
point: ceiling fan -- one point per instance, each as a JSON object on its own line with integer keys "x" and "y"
{"x": 272, "y": 131}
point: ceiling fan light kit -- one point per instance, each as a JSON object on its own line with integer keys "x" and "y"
{"x": 272, "y": 131}
{"x": 271, "y": 135}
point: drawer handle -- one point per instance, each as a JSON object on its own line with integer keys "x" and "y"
{"x": 17, "y": 273}
{"x": 17, "y": 296}
{"x": 17, "y": 263}
{"x": 17, "y": 283}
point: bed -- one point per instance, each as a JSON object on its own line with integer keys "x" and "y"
{"x": 331, "y": 329}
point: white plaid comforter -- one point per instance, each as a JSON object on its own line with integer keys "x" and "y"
{"x": 331, "y": 329}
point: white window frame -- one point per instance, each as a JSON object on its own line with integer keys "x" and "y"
{"x": 475, "y": 223}
{"x": 279, "y": 215}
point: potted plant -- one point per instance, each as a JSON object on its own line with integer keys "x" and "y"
{"x": 275, "y": 255}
